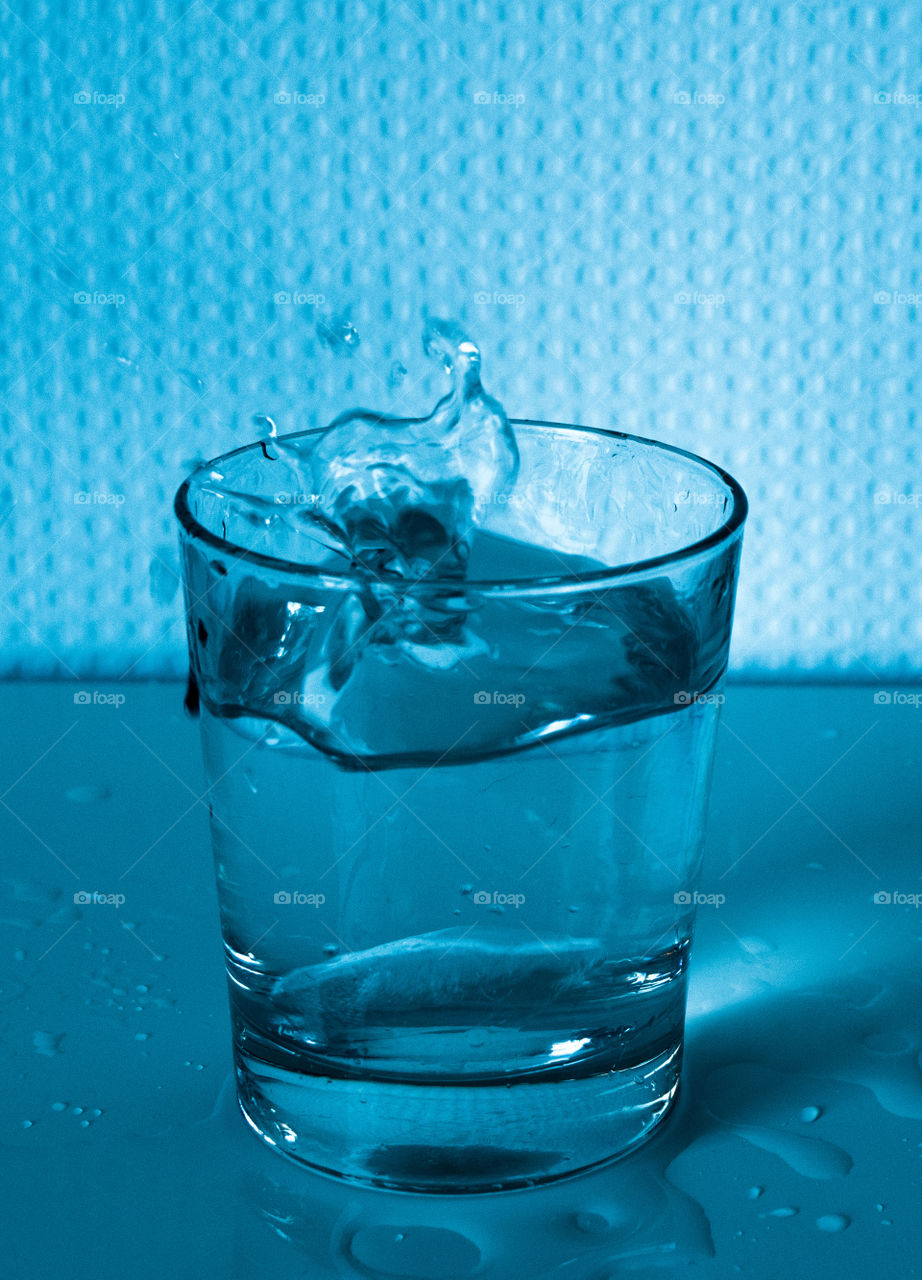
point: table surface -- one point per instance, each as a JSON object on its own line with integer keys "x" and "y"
{"x": 796, "y": 1147}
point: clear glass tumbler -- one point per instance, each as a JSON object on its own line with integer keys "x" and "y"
{"x": 457, "y": 823}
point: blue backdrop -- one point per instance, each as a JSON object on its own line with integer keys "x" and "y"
{"x": 698, "y": 222}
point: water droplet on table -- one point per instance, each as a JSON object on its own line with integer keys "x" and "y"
{"x": 47, "y": 1043}
{"x": 397, "y": 374}
{"x": 754, "y": 1192}
{"x": 785, "y": 1212}
{"x": 410, "y": 1251}
{"x": 833, "y": 1222}
{"x": 59, "y": 1106}
{"x": 809, "y": 1114}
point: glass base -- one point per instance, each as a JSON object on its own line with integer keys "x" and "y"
{"x": 455, "y": 1138}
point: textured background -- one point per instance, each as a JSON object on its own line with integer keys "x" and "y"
{"x": 697, "y": 221}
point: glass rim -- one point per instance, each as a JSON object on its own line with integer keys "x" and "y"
{"x": 569, "y": 582}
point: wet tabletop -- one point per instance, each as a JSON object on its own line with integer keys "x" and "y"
{"x": 796, "y": 1147}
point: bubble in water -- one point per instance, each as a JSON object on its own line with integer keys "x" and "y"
{"x": 833, "y": 1222}
{"x": 397, "y": 374}
{"x": 338, "y": 334}
{"x": 887, "y": 1042}
{"x": 809, "y": 1114}
{"x": 593, "y": 1224}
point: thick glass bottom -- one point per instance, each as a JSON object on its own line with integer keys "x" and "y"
{"x": 495, "y": 1135}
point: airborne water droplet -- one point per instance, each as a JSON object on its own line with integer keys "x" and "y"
{"x": 338, "y": 334}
